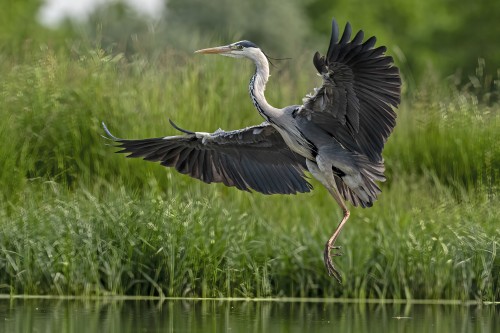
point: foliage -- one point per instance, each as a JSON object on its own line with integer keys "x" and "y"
{"x": 77, "y": 219}
{"x": 443, "y": 37}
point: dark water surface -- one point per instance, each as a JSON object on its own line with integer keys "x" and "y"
{"x": 39, "y": 315}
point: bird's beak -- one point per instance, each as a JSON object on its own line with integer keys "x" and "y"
{"x": 215, "y": 50}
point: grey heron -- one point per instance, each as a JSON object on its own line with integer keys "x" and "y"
{"x": 337, "y": 134}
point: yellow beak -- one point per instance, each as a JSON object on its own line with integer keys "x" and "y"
{"x": 215, "y": 50}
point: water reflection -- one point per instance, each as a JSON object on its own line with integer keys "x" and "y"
{"x": 239, "y": 316}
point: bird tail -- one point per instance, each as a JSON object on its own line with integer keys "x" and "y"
{"x": 361, "y": 188}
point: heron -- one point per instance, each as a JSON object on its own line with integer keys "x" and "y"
{"x": 337, "y": 134}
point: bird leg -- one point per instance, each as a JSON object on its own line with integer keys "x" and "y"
{"x": 330, "y": 245}
{"x": 323, "y": 172}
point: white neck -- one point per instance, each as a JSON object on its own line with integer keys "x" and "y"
{"x": 258, "y": 85}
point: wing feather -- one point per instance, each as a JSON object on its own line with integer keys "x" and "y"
{"x": 255, "y": 158}
{"x": 361, "y": 87}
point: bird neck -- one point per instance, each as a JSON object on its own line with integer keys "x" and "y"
{"x": 258, "y": 86}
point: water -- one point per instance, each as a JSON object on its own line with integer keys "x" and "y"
{"x": 241, "y": 316}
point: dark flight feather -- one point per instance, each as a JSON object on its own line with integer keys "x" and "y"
{"x": 361, "y": 86}
{"x": 255, "y": 158}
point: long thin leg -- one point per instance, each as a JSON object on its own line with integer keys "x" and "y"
{"x": 330, "y": 244}
{"x": 321, "y": 173}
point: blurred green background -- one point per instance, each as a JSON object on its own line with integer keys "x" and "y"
{"x": 444, "y": 37}
{"x": 77, "y": 219}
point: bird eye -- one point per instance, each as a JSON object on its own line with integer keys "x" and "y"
{"x": 238, "y": 47}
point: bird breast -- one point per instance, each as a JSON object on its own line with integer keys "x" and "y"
{"x": 296, "y": 141}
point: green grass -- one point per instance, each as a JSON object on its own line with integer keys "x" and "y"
{"x": 77, "y": 219}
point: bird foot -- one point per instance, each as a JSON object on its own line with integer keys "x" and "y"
{"x": 327, "y": 256}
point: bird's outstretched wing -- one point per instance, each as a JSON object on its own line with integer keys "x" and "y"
{"x": 361, "y": 86}
{"x": 254, "y": 158}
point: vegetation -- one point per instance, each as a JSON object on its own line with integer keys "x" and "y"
{"x": 77, "y": 219}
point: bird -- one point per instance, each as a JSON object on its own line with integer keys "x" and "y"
{"x": 336, "y": 135}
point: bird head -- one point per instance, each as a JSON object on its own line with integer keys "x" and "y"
{"x": 241, "y": 49}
